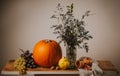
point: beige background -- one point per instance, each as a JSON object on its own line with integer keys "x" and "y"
{"x": 24, "y": 22}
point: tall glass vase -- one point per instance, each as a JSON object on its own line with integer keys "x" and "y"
{"x": 71, "y": 55}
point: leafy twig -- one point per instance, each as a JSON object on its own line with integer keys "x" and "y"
{"x": 70, "y": 30}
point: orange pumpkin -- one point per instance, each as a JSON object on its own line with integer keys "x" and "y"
{"x": 47, "y": 53}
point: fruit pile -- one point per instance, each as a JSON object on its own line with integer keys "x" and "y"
{"x": 84, "y": 63}
{"x": 24, "y": 61}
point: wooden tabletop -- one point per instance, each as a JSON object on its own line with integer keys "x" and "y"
{"x": 105, "y": 65}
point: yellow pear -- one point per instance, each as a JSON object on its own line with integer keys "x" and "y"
{"x": 63, "y": 63}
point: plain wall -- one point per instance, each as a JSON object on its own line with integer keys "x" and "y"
{"x": 24, "y": 22}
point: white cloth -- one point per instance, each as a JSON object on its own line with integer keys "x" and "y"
{"x": 96, "y": 71}
{"x": 83, "y": 72}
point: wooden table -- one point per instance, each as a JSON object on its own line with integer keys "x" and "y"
{"x": 10, "y": 70}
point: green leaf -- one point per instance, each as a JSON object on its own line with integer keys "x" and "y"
{"x": 53, "y": 16}
{"x": 90, "y": 37}
{"x": 53, "y": 26}
{"x": 72, "y": 6}
{"x": 86, "y": 32}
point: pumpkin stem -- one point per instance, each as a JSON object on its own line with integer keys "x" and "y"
{"x": 47, "y": 40}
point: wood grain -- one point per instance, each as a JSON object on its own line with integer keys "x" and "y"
{"x": 106, "y": 65}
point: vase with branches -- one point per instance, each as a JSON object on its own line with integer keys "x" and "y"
{"x": 71, "y": 31}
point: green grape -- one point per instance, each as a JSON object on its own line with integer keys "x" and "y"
{"x": 19, "y": 64}
{"x": 22, "y": 72}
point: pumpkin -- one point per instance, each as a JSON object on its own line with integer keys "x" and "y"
{"x": 47, "y": 53}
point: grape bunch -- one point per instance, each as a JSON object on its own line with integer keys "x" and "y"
{"x": 30, "y": 63}
{"x": 19, "y": 64}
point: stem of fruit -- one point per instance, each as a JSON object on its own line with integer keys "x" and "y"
{"x": 47, "y": 40}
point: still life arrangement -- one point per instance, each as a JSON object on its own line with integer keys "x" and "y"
{"x": 48, "y": 53}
